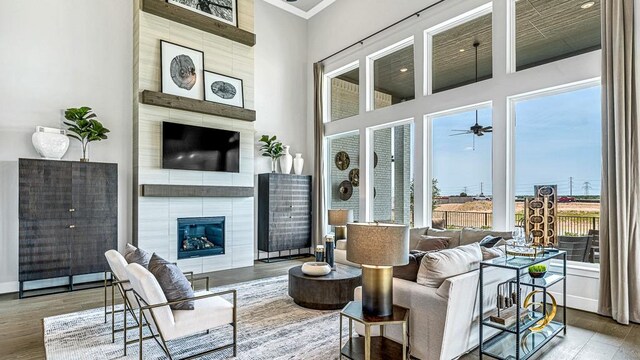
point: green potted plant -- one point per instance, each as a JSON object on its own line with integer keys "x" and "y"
{"x": 84, "y": 126}
{"x": 537, "y": 271}
{"x": 272, "y": 148}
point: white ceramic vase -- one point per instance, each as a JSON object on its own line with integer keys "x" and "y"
{"x": 286, "y": 161}
{"x": 298, "y": 164}
{"x": 50, "y": 143}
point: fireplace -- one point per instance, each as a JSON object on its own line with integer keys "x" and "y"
{"x": 202, "y": 236}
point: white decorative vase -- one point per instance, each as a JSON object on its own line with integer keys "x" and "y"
{"x": 286, "y": 161}
{"x": 298, "y": 164}
{"x": 50, "y": 143}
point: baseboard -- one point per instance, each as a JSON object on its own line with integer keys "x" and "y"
{"x": 9, "y": 287}
{"x": 577, "y": 302}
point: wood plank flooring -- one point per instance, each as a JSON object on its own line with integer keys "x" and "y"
{"x": 589, "y": 336}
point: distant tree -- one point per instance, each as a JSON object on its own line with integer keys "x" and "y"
{"x": 435, "y": 191}
{"x": 463, "y": 194}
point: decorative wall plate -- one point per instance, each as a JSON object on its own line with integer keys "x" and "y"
{"x": 345, "y": 190}
{"x": 354, "y": 177}
{"x": 342, "y": 160}
{"x": 375, "y": 193}
{"x": 375, "y": 159}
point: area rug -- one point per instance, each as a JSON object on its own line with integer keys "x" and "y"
{"x": 270, "y": 327}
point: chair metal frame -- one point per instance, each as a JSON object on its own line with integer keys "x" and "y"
{"x": 143, "y": 305}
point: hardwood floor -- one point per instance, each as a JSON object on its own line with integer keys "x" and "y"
{"x": 589, "y": 336}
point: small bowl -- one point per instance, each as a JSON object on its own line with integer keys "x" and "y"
{"x": 316, "y": 268}
{"x": 537, "y": 275}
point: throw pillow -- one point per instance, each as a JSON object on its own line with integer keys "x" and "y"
{"x": 438, "y": 266}
{"x": 136, "y": 255}
{"x": 172, "y": 281}
{"x": 431, "y": 243}
{"x": 409, "y": 272}
{"x": 490, "y": 241}
{"x": 491, "y": 253}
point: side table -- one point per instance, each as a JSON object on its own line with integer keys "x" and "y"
{"x": 374, "y": 347}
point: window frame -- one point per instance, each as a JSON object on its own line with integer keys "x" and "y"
{"x": 327, "y": 90}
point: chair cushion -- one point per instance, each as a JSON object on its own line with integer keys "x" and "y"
{"x": 147, "y": 287}
{"x": 117, "y": 264}
{"x": 409, "y": 272}
{"x": 208, "y": 314}
{"x": 136, "y": 255}
{"x": 174, "y": 284}
{"x": 437, "y": 266}
{"x": 431, "y": 243}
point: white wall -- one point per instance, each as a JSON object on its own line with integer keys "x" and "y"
{"x": 56, "y": 55}
{"x": 281, "y": 85}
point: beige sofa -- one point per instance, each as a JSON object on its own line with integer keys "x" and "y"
{"x": 444, "y": 320}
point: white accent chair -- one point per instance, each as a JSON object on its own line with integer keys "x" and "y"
{"x": 211, "y": 311}
{"x": 120, "y": 280}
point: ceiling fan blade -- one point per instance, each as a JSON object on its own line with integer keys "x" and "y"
{"x": 465, "y": 130}
{"x": 458, "y": 134}
{"x": 487, "y": 130}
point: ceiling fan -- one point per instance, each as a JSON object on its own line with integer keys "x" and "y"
{"x": 476, "y": 129}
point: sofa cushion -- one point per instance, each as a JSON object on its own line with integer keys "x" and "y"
{"x": 438, "y": 266}
{"x": 490, "y": 241}
{"x": 409, "y": 272}
{"x": 415, "y": 235}
{"x": 489, "y": 253}
{"x": 341, "y": 244}
{"x": 136, "y": 255}
{"x": 471, "y": 235}
{"x": 172, "y": 281}
{"x": 430, "y": 243}
{"x": 453, "y": 234}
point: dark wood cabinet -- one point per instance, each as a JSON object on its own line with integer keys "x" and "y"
{"x": 68, "y": 217}
{"x": 284, "y": 212}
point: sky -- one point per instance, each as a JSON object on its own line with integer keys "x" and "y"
{"x": 557, "y": 137}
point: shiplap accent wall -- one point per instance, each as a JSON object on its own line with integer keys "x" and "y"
{"x": 155, "y": 219}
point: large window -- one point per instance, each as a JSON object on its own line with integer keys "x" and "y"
{"x": 343, "y": 165}
{"x": 453, "y": 56}
{"x": 549, "y": 30}
{"x": 461, "y": 169}
{"x": 393, "y": 174}
{"x": 558, "y": 142}
{"x": 393, "y": 77}
{"x": 345, "y": 94}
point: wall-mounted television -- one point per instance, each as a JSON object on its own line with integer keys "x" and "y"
{"x": 187, "y": 147}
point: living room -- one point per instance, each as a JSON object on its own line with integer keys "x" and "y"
{"x": 319, "y": 179}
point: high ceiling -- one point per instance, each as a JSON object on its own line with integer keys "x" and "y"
{"x": 547, "y": 30}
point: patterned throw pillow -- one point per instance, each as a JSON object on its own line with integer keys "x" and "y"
{"x": 136, "y": 255}
{"x": 172, "y": 281}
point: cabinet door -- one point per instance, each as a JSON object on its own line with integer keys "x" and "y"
{"x": 43, "y": 250}
{"x": 44, "y": 189}
{"x": 88, "y": 243}
{"x": 301, "y": 212}
{"x": 95, "y": 190}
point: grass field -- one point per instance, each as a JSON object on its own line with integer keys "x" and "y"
{"x": 564, "y": 209}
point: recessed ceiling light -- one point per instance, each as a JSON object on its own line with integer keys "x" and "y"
{"x": 461, "y": 50}
{"x": 588, "y": 4}
{"x": 404, "y": 70}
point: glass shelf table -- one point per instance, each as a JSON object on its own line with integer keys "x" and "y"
{"x": 518, "y": 341}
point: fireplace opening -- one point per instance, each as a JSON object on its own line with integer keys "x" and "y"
{"x": 202, "y": 236}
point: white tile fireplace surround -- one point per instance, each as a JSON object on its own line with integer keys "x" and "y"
{"x": 158, "y": 226}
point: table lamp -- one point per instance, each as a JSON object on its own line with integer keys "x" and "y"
{"x": 340, "y": 218}
{"x": 378, "y": 248}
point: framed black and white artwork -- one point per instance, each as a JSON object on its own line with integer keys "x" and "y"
{"x": 223, "y": 89}
{"x": 222, "y": 10}
{"x": 182, "y": 70}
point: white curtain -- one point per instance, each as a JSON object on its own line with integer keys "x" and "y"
{"x": 620, "y": 206}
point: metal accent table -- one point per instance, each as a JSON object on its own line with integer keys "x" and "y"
{"x": 329, "y": 292}
{"x": 517, "y": 341}
{"x": 374, "y": 347}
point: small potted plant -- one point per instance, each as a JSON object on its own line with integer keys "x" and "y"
{"x": 537, "y": 271}
{"x": 84, "y": 126}
{"x": 272, "y": 148}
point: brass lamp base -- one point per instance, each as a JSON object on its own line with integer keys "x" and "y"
{"x": 377, "y": 290}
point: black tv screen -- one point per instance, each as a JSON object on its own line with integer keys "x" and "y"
{"x": 187, "y": 147}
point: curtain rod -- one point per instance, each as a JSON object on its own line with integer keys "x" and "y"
{"x": 361, "y": 41}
